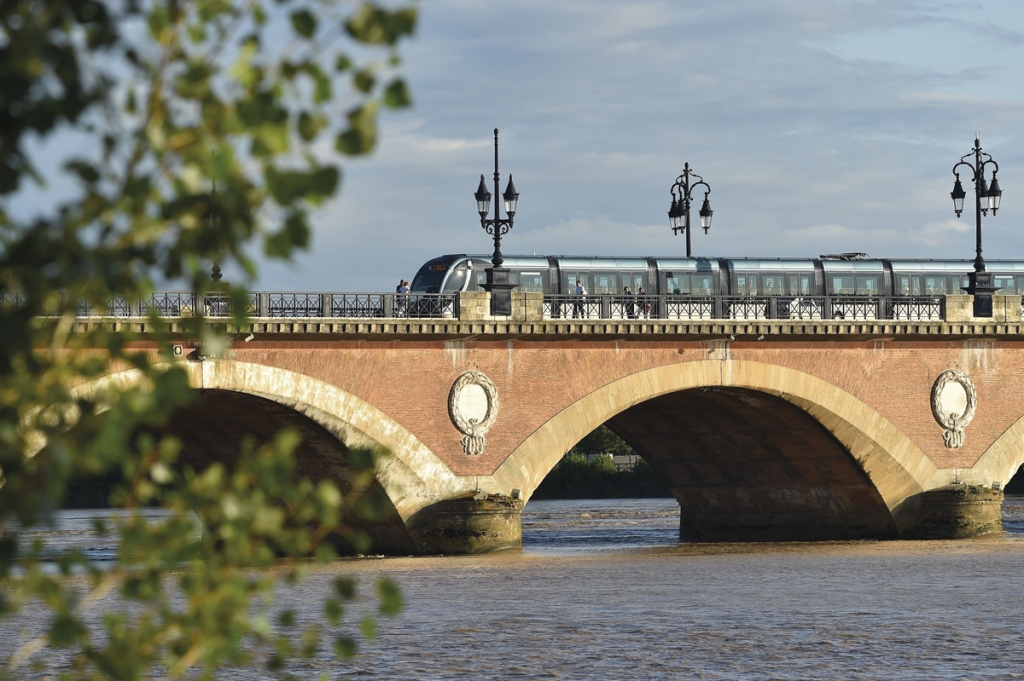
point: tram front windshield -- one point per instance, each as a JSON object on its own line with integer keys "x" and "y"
{"x": 428, "y": 279}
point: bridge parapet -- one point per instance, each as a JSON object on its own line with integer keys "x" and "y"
{"x": 473, "y": 306}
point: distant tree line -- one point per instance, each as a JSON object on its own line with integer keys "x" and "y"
{"x": 588, "y": 471}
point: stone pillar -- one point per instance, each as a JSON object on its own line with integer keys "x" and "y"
{"x": 1006, "y": 308}
{"x": 501, "y": 291}
{"x": 955, "y": 512}
{"x": 528, "y": 307}
{"x": 960, "y": 308}
{"x": 474, "y": 524}
{"x": 474, "y": 306}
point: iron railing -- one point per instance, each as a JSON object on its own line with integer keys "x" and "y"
{"x": 172, "y": 304}
{"x": 745, "y": 308}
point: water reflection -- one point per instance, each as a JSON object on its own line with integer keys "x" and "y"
{"x": 568, "y": 527}
{"x": 603, "y": 589}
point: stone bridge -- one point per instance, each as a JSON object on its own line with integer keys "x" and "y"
{"x": 770, "y": 430}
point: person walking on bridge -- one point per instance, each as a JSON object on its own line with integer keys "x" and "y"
{"x": 577, "y": 307}
{"x": 403, "y": 298}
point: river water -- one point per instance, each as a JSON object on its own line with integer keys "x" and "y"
{"x": 604, "y": 590}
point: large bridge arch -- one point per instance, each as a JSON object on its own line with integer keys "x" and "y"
{"x": 1001, "y": 461}
{"x": 895, "y": 466}
{"x": 412, "y": 476}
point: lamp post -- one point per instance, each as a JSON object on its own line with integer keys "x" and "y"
{"x": 497, "y": 276}
{"x": 986, "y": 197}
{"x": 681, "y": 206}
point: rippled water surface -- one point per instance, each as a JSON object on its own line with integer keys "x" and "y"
{"x": 603, "y": 590}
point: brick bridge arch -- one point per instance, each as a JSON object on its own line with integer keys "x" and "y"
{"x": 896, "y": 468}
{"x": 412, "y": 476}
{"x": 1002, "y": 459}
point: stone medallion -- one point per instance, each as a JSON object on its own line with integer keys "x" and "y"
{"x": 473, "y": 407}
{"x": 953, "y": 405}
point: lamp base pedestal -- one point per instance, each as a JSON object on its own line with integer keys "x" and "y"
{"x": 501, "y": 291}
{"x": 979, "y": 285}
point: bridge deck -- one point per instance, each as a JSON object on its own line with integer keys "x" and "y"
{"x": 715, "y": 330}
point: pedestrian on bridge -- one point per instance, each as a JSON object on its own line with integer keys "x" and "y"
{"x": 403, "y": 298}
{"x": 577, "y": 307}
{"x": 627, "y": 302}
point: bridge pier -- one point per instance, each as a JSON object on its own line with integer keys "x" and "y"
{"x": 481, "y": 523}
{"x": 953, "y": 512}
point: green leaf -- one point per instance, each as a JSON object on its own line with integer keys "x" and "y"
{"x": 378, "y": 26}
{"x": 390, "y": 596}
{"x": 396, "y": 94}
{"x": 345, "y": 587}
{"x": 364, "y": 80}
{"x": 333, "y": 611}
{"x": 65, "y": 630}
{"x": 344, "y": 647}
{"x": 83, "y": 170}
{"x": 304, "y": 23}
{"x": 361, "y": 136}
{"x": 310, "y": 125}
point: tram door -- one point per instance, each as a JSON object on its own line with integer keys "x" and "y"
{"x": 635, "y": 281}
{"x": 575, "y": 308}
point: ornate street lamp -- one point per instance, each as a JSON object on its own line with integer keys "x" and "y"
{"x": 497, "y": 276}
{"x": 986, "y": 197}
{"x": 680, "y": 210}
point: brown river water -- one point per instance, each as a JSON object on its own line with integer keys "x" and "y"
{"x": 604, "y": 590}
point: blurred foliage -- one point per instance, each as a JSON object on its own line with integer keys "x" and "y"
{"x": 588, "y": 471}
{"x": 140, "y": 141}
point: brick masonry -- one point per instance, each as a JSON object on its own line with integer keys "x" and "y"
{"x": 410, "y": 380}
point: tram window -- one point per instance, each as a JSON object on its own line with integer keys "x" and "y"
{"x": 605, "y": 284}
{"x": 1004, "y": 285}
{"x": 570, "y": 282}
{"x": 773, "y": 284}
{"x": 799, "y": 285}
{"x": 867, "y": 286}
{"x": 456, "y": 280}
{"x": 746, "y": 284}
{"x": 633, "y": 280}
{"x": 935, "y": 286}
{"x": 1020, "y": 284}
{"x": 903, "y": 285}
{"x": 677, "y": 284}
{"x": 843, "y": 285}
{"x": 481, "y": 279}
{"x": 703, "y": 285}
{"x": 531, "y": 281}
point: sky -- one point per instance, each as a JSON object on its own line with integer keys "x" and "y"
{"x": 822, "y": 126}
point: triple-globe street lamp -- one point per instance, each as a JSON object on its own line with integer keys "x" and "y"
{"x": 679, "y": 213}
{"x": 497, "y": 276}
{"x": 986, "y": 198}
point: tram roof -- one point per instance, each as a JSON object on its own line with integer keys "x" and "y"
{"x": 692, "y": 264}
{"x": 957, "y": 266}
{"x": 852, "y": 265}
{"x": 598, "y": 262}
{"x": 775, "y": 264}
{"x": 516, "y": 261}
{"x": 1000, "y": 265}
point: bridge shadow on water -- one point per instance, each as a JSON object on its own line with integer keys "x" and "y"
{"x": 587, "y": 526}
